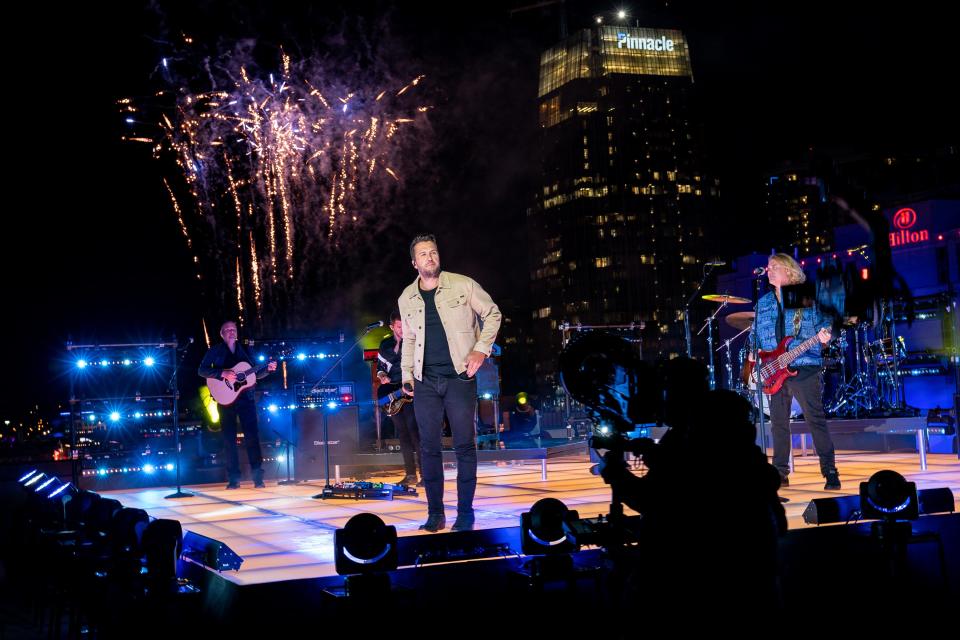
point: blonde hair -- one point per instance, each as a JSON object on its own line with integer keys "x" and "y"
{"x": 796, "y": 274}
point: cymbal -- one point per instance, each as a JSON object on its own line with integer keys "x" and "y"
{"x": 740, "y": 320}
{"x": 722, "y": 297}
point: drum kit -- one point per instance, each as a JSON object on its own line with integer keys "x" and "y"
{"x": 861, "y": 364}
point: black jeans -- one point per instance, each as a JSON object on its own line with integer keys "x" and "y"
{"x": 246, "y": 410}
{"x": 409, "y": 435}
{"x": 458, "y": 398}
{"x": 807, "y": 390}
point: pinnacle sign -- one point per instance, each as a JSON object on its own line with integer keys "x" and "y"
{"x": 626, "y": 41}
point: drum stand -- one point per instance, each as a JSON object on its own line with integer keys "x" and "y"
{"x": 728, "y": 361}
{"x": 858, "y": 395}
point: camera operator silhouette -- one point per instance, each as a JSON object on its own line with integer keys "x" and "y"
{"x": 711, "y": 516}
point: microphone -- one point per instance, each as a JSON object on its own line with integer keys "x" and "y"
{"x": 715, "y": 263}
{"x": 759, "y": 271}
{"x": 374, "y": 325}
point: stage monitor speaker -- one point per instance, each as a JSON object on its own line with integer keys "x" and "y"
{"x": 210, "y": 553}
{"x": 343, "y": 435}
{"x": 830, "y": 510}
{"x": 847, "y": 508}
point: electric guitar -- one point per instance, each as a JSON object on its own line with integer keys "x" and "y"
{"x": 225, "y": 393}
{"x": 773, "y": 371}
{"x": 391, "y": 398}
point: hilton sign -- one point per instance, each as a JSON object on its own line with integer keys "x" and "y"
{"x": 904, "y": 220}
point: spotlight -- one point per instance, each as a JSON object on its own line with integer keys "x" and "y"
{"x": 542, "y": 528}
{"x": 364, "y": 550}
{"x": 148, "y": 361}
{"x": 888, "y": 496}
{"x": 543, "y": 534}
{"x": 81, "y": 364}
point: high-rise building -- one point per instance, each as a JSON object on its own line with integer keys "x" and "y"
{"x": 621, "y": 225}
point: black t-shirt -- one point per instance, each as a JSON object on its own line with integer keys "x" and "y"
{"x": 436, "y": 351}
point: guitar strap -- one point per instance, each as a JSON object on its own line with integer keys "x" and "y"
{"x": 797, "y": 320}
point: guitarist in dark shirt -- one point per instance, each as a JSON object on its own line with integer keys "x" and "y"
{"x": 388, "y": 373}
{"x": 218, "y": 363}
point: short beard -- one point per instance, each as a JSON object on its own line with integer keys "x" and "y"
{"x": 427, "y": 274}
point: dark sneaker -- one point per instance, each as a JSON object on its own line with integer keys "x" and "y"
{"x": 233, "y": 484}
{"x": 258, "y": 479}
{"x": 833, "y": 480}
{"x": 784, "y": 482}
{"x": 409, "y": 480}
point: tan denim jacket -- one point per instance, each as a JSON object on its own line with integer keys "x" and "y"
{"x": 462, "y": 305}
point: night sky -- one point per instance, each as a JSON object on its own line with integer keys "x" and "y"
{"x": 93, "y": 252}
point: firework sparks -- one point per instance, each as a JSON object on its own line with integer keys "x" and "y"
{"x": 278, "y": 163}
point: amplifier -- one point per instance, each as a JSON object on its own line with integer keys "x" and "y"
{"x": 338, "y": 393}
{"x": 310, "y": 446}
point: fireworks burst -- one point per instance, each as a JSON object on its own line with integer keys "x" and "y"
{"x": 276, "y": 171}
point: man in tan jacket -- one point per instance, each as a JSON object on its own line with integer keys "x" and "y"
{"x": 449, "y": 325}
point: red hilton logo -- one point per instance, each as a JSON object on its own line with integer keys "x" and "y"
{"x": 904, "y": 219}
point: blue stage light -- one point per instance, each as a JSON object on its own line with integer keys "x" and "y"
{"x": 45, "y": 484}
{"x": 148, "y": 361}
{"x": 59, "y": 490}
{"x": 114, "y": 416}
{"x": 81, "y": 364}
{"x": 34, "y": 479}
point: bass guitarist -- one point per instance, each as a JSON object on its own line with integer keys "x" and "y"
{"x": 805, "y": 380}
{"x": 388, "y": 373}
{"x": 218, "y": 364}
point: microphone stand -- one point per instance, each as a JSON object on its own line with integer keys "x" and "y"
{"x": 176, "y": 422}
{"x": 707, "y": 270}
{"x": 755, "y": 348}
{"x": 708, "y": 325}
{"x": 327, "y": 488}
